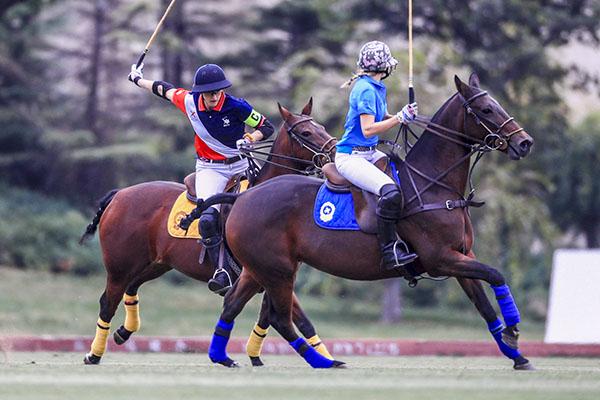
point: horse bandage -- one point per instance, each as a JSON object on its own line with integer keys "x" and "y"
{"x": 255, "y": 341}
{"x": 318, "y": 345}
{"x": 99, "y": 344}
{"x": 132, "y": 313}
{"x": 508, "y": 308}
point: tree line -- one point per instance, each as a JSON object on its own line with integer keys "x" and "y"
{"x": 72, "y": 127}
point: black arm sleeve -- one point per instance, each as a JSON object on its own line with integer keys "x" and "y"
{"x": 266, "y": 128}
{"x": 160, "y": 88}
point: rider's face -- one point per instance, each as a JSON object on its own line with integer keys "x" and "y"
{"x": 211, "y": 98}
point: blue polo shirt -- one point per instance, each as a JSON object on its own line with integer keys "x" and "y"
{"x": 368, "y": 96}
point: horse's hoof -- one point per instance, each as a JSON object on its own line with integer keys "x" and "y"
{"x": 121, "y": 335}
{"x": 523, "y": 364}
{"x": 256, "y": 362}
{"x": 228, "y": 362}
{"x": 338, "y": 364}
{"x": 91, "y": 359}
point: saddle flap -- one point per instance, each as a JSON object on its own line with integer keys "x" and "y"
{"x": 234, "y": 185}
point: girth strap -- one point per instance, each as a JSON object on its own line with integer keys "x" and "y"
{"x": 447, "y": 205}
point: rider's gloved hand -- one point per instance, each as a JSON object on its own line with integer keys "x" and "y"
{"x": 186, "y": 222}
{"x": 136, "y": 73}
{"x": 408, "y": 113}
{"x": 243, "y": 142}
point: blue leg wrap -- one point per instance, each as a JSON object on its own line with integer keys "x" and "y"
{"x": 496, "y": 328}
{"x": 508, "y": 308}
{"x": 311, "y": 356}
{"x": 217, "y": 351}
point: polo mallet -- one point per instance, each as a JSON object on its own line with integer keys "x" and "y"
{"x": 162, "y": 20}
{"x": 411, "y": 90}
{"x": 404, "y": 129}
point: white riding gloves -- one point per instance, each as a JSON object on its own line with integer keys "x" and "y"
{"x": 136, "y": 73}
{"x": 242, "y": 143}
{"x": 408, "y": 113}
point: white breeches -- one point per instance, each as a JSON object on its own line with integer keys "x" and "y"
{"x": 358, "y": 168}
{"x": 211, "y": 178}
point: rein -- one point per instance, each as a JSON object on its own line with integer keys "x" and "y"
{"x": 321, "y": 155}
{"x": 494, "y": 140}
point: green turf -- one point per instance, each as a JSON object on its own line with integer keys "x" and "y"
{"x": 190, "y": 376}
{"x": 41, "y": 303}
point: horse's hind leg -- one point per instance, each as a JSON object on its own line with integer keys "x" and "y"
{"x": 236, "y": 298}
{"x": 282, "y": 298}
{"x": 109, "y": 301}
{"x": 131, "y": 302}
{"x": 259, "y": 332}
{"x": 307, "y": 329}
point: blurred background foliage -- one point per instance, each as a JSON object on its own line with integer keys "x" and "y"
{"x": 72, "y": 127}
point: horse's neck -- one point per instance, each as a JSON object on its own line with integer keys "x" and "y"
{"x": 278, "y": 167}
{"x": 433, "y": 154}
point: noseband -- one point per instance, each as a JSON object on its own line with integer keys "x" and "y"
{"x": 321, "y": 155}
{"x": 494, "y": 140}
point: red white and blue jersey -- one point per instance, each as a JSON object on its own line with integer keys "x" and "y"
{"x": 218, "y": 129}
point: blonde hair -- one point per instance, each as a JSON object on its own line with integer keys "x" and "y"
{"x": 354, "y": 77}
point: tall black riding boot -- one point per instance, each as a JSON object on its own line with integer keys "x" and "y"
{"x": 210, "y": 230}
{"x": 390, "y": 204}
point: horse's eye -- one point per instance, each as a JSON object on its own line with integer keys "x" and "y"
{"x": 305, "y": 133}
{"x": 487, "y": 110}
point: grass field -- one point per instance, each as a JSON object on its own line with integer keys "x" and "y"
{"x": 188, "y": 376}
{"x": 41, "y": 303}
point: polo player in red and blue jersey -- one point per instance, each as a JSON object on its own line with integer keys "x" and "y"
{"x": 218, "y": 120}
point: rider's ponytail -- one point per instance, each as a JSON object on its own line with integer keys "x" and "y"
{"x": 354, "y": 77}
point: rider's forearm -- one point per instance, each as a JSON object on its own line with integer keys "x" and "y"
{"x": 161, "y": 89}
{"x": 376, "y": 128}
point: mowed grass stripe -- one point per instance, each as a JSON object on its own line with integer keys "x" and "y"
{"x": 153, "y": 376}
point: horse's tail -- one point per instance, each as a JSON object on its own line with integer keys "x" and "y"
{"x": 93, "y": 226}
{"x": 220, "y": 198}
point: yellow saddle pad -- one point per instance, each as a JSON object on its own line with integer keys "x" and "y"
{"x": 180, "y": 209}
{"x": 183, "y": 207}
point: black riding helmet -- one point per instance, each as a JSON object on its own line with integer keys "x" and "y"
{"x": 210, "y": 78}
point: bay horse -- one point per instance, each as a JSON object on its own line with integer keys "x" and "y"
{"x": 137, "y": 248}
{"x": 435, "y": 223}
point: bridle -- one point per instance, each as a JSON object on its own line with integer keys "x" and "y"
{"x": 320, "y": 154}
{"x": 495, "y": 139}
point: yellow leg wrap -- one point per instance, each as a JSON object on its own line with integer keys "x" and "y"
{"x": 99, "y": 343}
{"x": 132, "y": 313}
{"x": 315, "y": 342}
{"x": 255, "y": 341}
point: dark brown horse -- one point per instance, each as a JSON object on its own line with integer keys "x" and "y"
{"x": 435, "y": 224}
{"x": 137, "y": 248}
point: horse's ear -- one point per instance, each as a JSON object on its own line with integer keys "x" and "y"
{"x": 460, "y": 85}
{"x": 308, "y": 107}
{"x": 474, "y": 80}
{"x": 285, "y": 114}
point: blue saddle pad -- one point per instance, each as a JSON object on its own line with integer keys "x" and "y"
{"x": 334, "y": 210}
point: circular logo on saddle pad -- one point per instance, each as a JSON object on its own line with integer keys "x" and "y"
{"x": 327, "y": 211}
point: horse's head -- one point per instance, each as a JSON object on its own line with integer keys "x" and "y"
{"x": 313, "y": 140}
{"x": 486, "y": 120}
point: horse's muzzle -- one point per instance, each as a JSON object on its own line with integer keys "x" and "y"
{"x": 520, "y": 149}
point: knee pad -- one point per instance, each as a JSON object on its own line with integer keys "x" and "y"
{"x": 210, "y": 224}
{"x": 391, "y": 202}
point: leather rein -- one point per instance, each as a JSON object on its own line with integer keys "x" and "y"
{"x": 321, "y": 154}
{"x": 494, "y": 140}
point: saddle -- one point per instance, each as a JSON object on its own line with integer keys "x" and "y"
{"x": 365, "y": 203}
{"x": 237, "y": 183}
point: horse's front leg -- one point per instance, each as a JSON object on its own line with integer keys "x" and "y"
{"x": 466, "y": 269}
